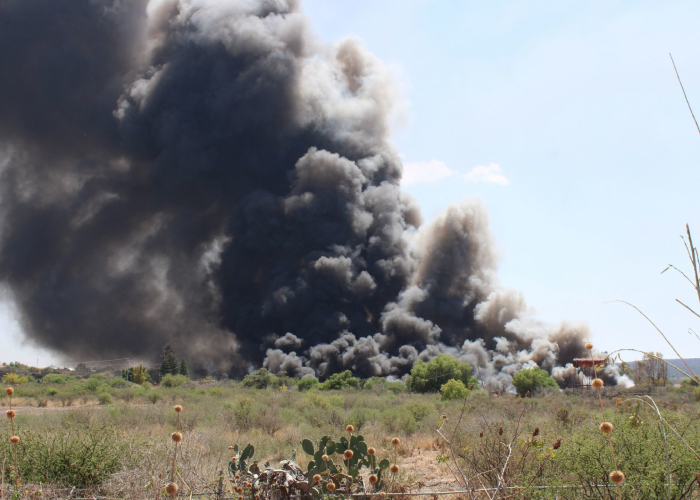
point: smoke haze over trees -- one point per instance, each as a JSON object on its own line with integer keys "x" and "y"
{"x": 208, "y": 174}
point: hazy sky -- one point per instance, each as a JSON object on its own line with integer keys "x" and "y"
{"x": 567, "y": 121}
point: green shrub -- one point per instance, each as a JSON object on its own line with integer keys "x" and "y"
{"x": 419, "y": 409}
{"x": 454, "y": 389}
{"x": 399, "y": 421}
{"x": 532, "y": 379}
{"x": 170, "y": 380}
{"x": 154, "y": 396}
{"x": 338, "y": 381}
{"x": 14, "y": 379}
{"x": 359, "y": 417}
{"x": 52, "y": 391}
{"x": 104, "y": 399}
{"x": 374, "y": 384}
{"x": 307, "y": 383}
{"x": 94, "y": 383}
{"x": 396, "y": 386}
{"x": 431, "y": 376}
{"x": 260, "y": 379}
{"x": 53, "y": 378}
{"x": 70, "y": 456}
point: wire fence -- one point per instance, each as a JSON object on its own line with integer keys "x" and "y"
{"x": 219, "y": 493}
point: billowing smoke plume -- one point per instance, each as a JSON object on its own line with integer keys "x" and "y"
{"x": 205, "y": 173}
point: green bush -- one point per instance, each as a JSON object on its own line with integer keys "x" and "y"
{"x": 454, "y": 389}
{"x": 396, "y": 386}
{"x": 260, "y": 379}
{"x": 307, "y": 383}
{"x": 94, "y": 383}
{"x": 338, "y": 381}
{"x": 53, "y": 378}
{"x": 154, "y": 396}
{"x": 52, "y": 391}
{"x": 374, "y": 384}
{"x": 104, "y": 399}
{"x": 431, "y": 376}
{"x": 359, "y": 417}
{"x": 68, "y": 456}
{"x": 532, "y": 379}
{"x": 14, "y": 379}
{"x": 640, "y": 452}
{"x": 170, "y": 380}
{"x": 399, "y": 421}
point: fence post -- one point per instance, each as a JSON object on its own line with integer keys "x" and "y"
{"x": 220, "y": 486}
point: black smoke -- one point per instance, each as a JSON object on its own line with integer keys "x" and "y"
{"x": 207, "y": 174}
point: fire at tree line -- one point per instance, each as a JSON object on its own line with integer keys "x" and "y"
{"x": 444, "y": 374}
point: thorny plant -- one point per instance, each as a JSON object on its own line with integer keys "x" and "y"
{"x": 335, "y": 471}
{"x": 501, "y": 459}
{"x": 172, "y": 487}
{"x": 14, "y": 439}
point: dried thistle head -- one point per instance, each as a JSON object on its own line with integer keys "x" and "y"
{"x": 606, "y": 427}
{"x": 597, "y": 383}
{"x": 237, "y": 476}
{"x": 617, "y": 477}
{"x": 171, "y": 489}
{"x": 14, "y": 440}
{"x": 9, "y": 391}
{"x": 500, "y": 431}
{"x": 317, "y": 478}
{"x": 239, "y": 489}
{"x": 589, "y": 346}
{"x": 371, "y": 451}
{"x": 536, "y": 432}
{"x": 240, "y": 497}
{"x": 330, "y": 486}
{"x": 230, "y": 447}
{"x": 373, "y": 479}
{"x": 176, "y": 436}
{"x": 527, "y": 394}
{"x": 11, "y": 414}
{"x": 556, "y": 444}
{"x": 177, "y": 408}
{"x": 347, "y": 455}
{"x": 481, "y": 434}
{"x": 394, "y": 469}
{"x": 350, "y": 429}
{"x": 396, "y": 441}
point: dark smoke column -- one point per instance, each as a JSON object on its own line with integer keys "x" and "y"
{"x": 206, "y": 174}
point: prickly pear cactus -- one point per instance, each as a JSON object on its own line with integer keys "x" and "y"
{"x": 240, "y": 459}
{"x": 329, "y": 463}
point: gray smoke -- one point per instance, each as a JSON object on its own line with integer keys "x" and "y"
{"x": 206, "y": 174}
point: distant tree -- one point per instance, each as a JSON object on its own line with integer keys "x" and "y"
{"x": 342, "y": 380}
{"x": 169, "y": 364}
{"x": 625, "y": 369}
{"x": 183, "y": 368}
{"x": 139, "y": 374}
{"x": 260, "y": 379}
{"x": 307, "y": 383}
{"x": 454, "y": 389}
{"x": 431, "y": 376}
{"x": 651, "y": 370}
{"x": 532, "y": 379}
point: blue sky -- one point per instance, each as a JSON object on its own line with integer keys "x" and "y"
{"x": 567, "y": 121}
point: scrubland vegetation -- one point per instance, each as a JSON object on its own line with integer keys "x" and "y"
{"x": 105, "y": 433}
